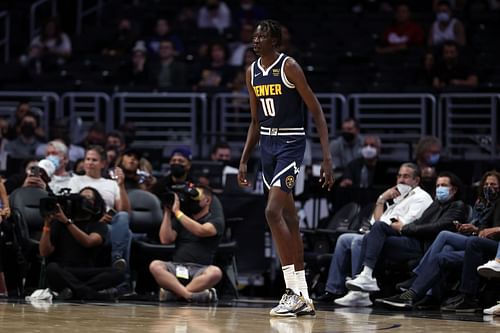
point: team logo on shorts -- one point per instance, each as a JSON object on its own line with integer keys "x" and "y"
{"x": 290, "y": 181}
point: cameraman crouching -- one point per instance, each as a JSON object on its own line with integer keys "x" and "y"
{"x": 72, "y": 245}
{"x": 196, "y": 233}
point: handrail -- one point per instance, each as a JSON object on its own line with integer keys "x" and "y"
{"x": 34, "y": 7}
{"x": 82, "y": 13}
{"x": 5, "y": 41}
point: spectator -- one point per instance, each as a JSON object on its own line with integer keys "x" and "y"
{"x": 60, "y": 131}
{"x": 115, "y": 196}
{"x": 190, "y": 275}
{"x": 136, "y": 71}
{"x": 248, "y": 12}
{"x": 451, "y": 71}
{"x": 239, "y": 48}
{"x": 116, "y": 140}
{"x": 23, "y": 108}
{"x": 409, "y": 203}
{"x": 171, "y": 73}
{"x": 57, "y": 153}
{"x": 446, "y": 27}
{"x": 427, "y": 157}
{"x": 180, "y": 166}
{"x": 54, "y": 42}
{"x": 96, "y": 135}
{"x": 287, "y": 46}
{"x": 216, "y": 73}
{"x": 122, "y": 40}
{"x": 17, "y": 179}
{"x": 4, "y": 213}
{"x": 449, "y": 247}
{"x": 33, "y": 64}
{"x": 424, "y": 74}
{"x": 221, "y": 152}
{"x": 364, "y": 171}
{"x": 348, "y": 146}
{"x": 162, "y": 31}
{"x": 39, "y": 175}
{"x": 403, "y": 33}
{"x": 214, "y": 14}
{"x": 72, "y": 244}
{"x": 137, "y": 170}
{"x": 26, "y": 143}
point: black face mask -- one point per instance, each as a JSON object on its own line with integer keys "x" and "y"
{"x": 349, "y": 137}
{"x": 177, "y": 170}
{"x": 28, "y": 130}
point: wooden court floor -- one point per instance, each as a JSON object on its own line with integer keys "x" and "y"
{"x": 241, "y": 317}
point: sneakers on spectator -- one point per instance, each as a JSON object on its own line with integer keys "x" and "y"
{"x": 354, "y": 299}
{"x": 327, "y": 297}
{"x": 289, "y": 305}
{"x": 64, "y": 294}
{"x": 402, "y": 301}
{"x": 362, "y": 283}
{"x": 109, "y": 293}
{"x": 120, "y": 263}
{"x": 489, "y": 270}
{"x": 405, "y": 285}
{"x": 205, "y": 296}
{"x": 465, "y": 304}
{"x": 166, "y": 296}
{"x": 494, "y": 310}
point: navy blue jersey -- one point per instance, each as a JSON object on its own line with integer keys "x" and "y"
{"x": 278, "y": 102}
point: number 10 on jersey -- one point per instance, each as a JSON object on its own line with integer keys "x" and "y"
{"x": 268, "y": 107}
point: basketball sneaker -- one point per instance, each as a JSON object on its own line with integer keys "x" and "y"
{"x": 289, "y": 305}
{"x": 308, "y": 310}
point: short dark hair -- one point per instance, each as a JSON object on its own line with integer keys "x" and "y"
{"x": 414, "y": 167}
{"x": 455, "y": 181}
{"x": 99, "y": 150}
{"x": 274, "y": 29}
{"x": 220, "y": 145}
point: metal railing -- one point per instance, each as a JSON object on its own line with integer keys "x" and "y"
{"x": 5, "y": 39}
{"x": 35, "y": 9}
{"x": 82, "y": 13}
{"x": 468, "y": 125}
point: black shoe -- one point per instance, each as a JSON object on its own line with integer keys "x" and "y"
{"x": 327, "y": 297}
{"x": 64, "y": 295}
{"x": 120, "y": 263}
{"x": 427, "y": 303}
{"x": 467, "y": 304}
{"x": 109, "y": 293}
{"x": 405, "y": 285}
{"x": 403, "y": 301}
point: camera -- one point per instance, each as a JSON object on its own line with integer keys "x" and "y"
{"x": 188, "y": 197}
{"x": 73, "y": 205}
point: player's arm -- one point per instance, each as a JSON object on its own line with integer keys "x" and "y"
{"x": 253, "y": 133}
{"x": 295, "y": 75}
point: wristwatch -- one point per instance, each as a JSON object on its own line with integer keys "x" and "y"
{"x": 69, "y": 222}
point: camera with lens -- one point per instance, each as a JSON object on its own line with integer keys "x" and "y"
{"x": 73, "y": 205}
{"x": 188, "y": 195}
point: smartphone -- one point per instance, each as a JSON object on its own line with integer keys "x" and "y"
{"x": 456, "y": 223}
{"x": 111, "y": 212}
{"x": 35, "y": 171}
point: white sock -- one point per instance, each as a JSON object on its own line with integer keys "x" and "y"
{"x": 302, "y": 284}
{"x": 367, "y": 271}
{"x": 290, "y": 278}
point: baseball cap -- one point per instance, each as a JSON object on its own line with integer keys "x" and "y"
{"x": 48, "y": 167}
{"x": 184, "y": 151}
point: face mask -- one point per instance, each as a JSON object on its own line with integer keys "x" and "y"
{"x": 177, "y": 170}
{"x": 433, "y": 159}
{"x": 28, "y": 130}
{"x": 369, "y": 152}
{"x": 443, "y": 17}
{"x": 490, "y": 193}
{"x": 403, "y": 189}
{"x": 55, "y": 160}
{"x": 442, "y": 193}
{"x": 349, "y": 137}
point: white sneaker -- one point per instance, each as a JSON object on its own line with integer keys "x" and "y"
{"x": 494, "y": 310}
{"x": 362, "y": 283}
{"x": 489, "y": 270}
{"x": 289, "y": 305}
{"x": 354, "y": 299}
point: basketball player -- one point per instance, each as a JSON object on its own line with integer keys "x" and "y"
{"x": 276, "y": 84}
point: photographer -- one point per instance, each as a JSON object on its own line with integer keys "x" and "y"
{"x": 195, "y": 224}
{"x": 72, "y": 240}
{"x": 180, "y": 165}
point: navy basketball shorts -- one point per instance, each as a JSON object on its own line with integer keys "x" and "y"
{"x": 281, "y": 158}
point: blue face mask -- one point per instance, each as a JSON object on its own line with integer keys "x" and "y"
{"x": 442, "y": 193}
{"x": 443, "y": 17}
{"x": 490, "y": 193}
{"x": 433, "y": 159}
{"x": 55, "y": 160}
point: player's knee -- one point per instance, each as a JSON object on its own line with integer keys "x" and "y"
{"x": 273, "y": 215}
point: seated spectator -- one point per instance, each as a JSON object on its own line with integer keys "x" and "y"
{"x": 136, "y": 71}
{"x": 163, "y": 31}
{"x": 287, "y": 46}
{"x": 4, "y": 213}
{"x": 221, "y": 152}
{"x": 214, "y": 14}
{"x": 446, "y": 27}
{"x": 60, "y": 130}
{"x": 116, "y": 140}
{"x": 39, "y": 175}
{"x": 403, "y": 33}
{"x": 347, "y": 146}
{"x": 137, "y": 170}
{"x": 239, "y": 47}
{"x": 427, "y": 157}
{"x": 409, "y": 203}
{"x": 96, "y": 136}
{"x": 33, "y": 64}
{"x": 55, "y": 43}
{"x": 115, "y": 196}
{"x": 170, "y": 73}
{"x": 72, "y": 244}
{"x": 14, "y": 129}
{"x": 216, "y": 72}
{"x": 196, "y": 231}
{"x": 363, "y": 172}
{"x": 122, "y": 40}
{"x": 18, "y": 178}
{"x": 449, "y": 249}
{"x": 57, "y": 153}
{"x": 26, "y": 142}
{"x": 451, "y": 71}
{"x": 424, "y": 74}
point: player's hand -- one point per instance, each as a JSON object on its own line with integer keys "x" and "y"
{"x": 242, "y": 175}
{"x": 326, "y": 174}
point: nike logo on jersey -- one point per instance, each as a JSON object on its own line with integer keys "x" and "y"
{"x": 257, "y": 74}
{"x": 290, "y": 141}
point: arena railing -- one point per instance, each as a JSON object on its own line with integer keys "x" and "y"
{"x": 35, "y": 8}
{"x": 468, "y": 125}
{"x": 400, "y": 120}
{"x": 5, "y": 39}
{"x": 82, "y": 13}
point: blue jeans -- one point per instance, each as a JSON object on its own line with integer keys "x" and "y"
{"x": 120, "y": 236}
{"x": 498, "y": 252}
{"x": 477, "y": 252}
{"x": 448, "y": 248}
{"x": 346, "y": 243}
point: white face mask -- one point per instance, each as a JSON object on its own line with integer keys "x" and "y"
{"x": 403, "y": 189}
{"x": 369, "y": 152}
